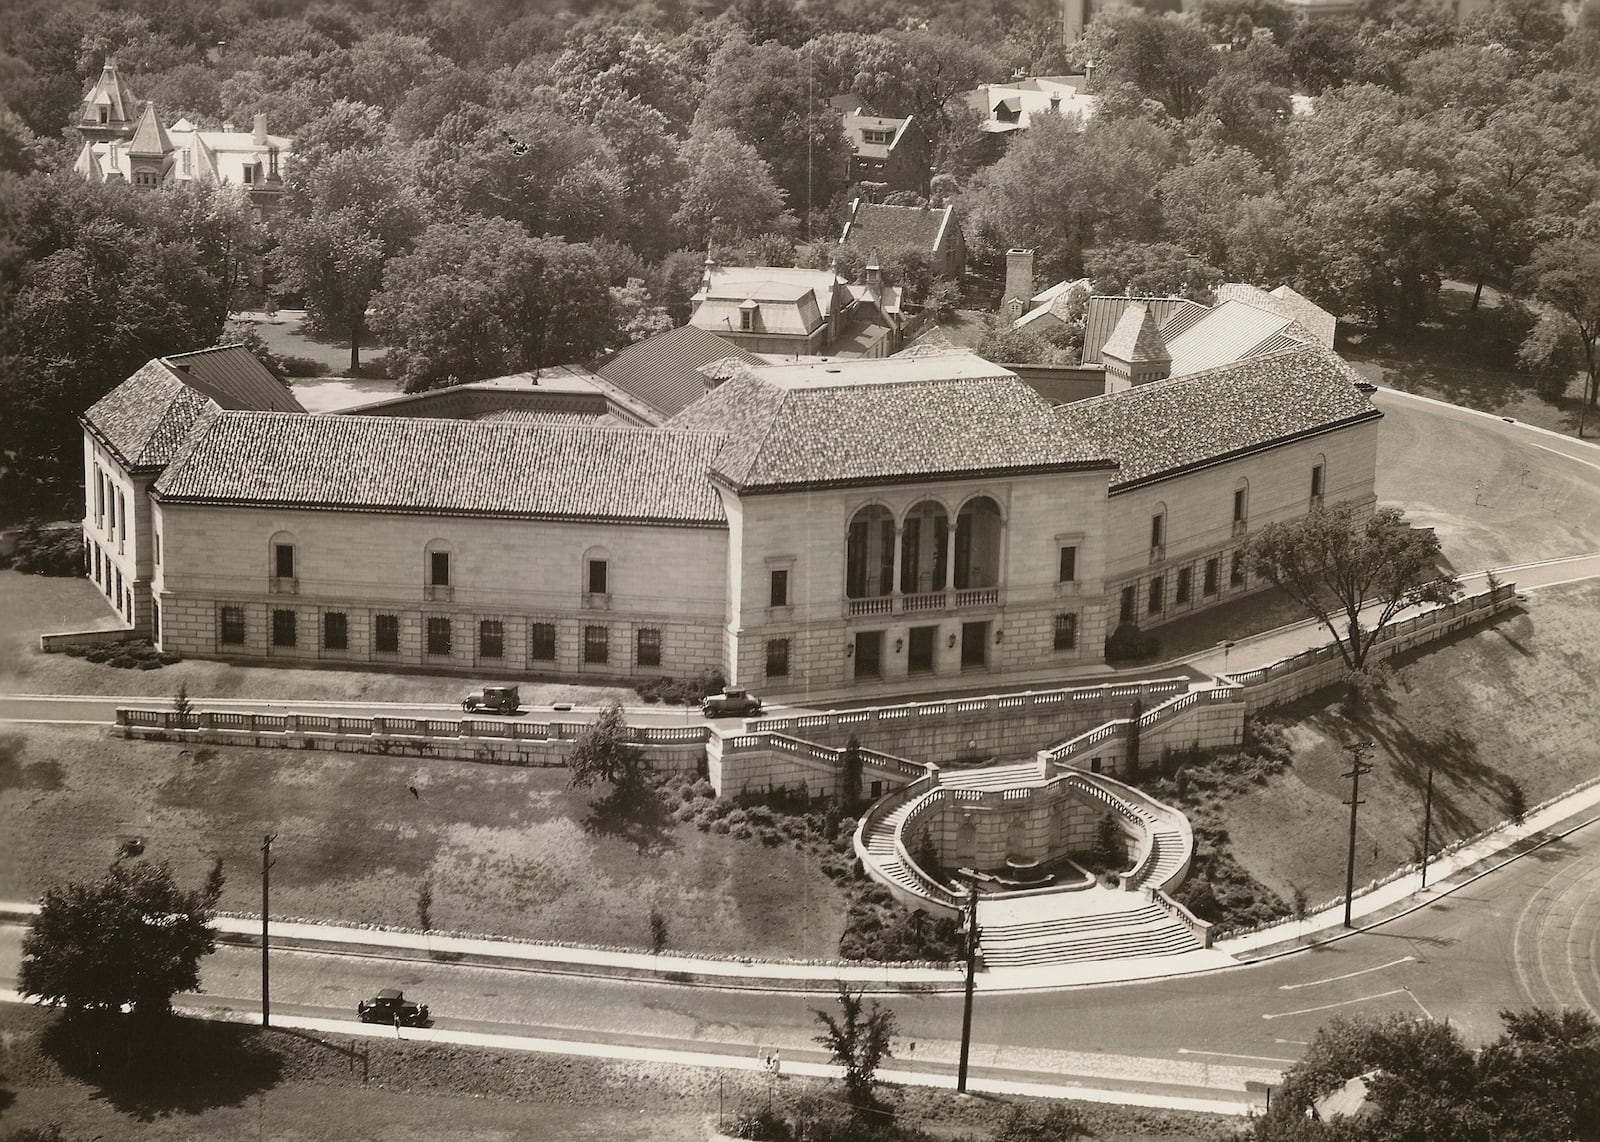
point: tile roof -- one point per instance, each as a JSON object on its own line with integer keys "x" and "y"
{"x": 873, "y": 226}
{"x": 1136, "y": 338}
{"x": 1161, "y": 429}
{"x": 147, "y": 416}
{"x": 448, "y": 467}
{"x": 664, "y": 371}
{"x": 883, "y": 421}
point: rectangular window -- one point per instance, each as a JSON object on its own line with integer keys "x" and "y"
{"x": 232, "y": 626}
{"x": 1158, "y": 593}
{"x": 283, "y": 560}
{"x": 1236, "y": 570}
{"x": 542, "y": 642}
{"x": 598, "y": 578}
{"x": 249, "y": 175}
{"x": 1316, "y": 482}
{"x": 596, "y": 645}
{"x": 779, "y": 595}
{"x": 1210, "y": 582}
{"x": 747, "y": 320}
{"x": 386, "y": 634}
{"x": 1068, "y": 571}
{"x": 1126, "y": 605}
{"x": 1066, "y": 632}
{"x": 283, "y": 628}
{"x": 1158, "y": 529}
{"x": 649, "y": 647}
{"x": 1238, "y": 505}
{"x": 1185, "y": 576}
{"x": 439, "y": 569}
{"x": 439, "y": 637}
{"x": 491, "y": 639}
{"x": 335, "y": 631}
{"x": 777, "y": 658}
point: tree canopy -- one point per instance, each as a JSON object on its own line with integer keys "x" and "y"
{"x": 131, "y": 938}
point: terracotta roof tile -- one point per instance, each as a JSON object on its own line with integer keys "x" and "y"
{"x": 1161, "y": 429}
{"x": 382, "y": 463}
{"x": 146, "y": 417}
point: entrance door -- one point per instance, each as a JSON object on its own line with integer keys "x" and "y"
{"x": 869, "y": 654}
{"x": 974, "y": 646}
{"x": 920, "y": 658}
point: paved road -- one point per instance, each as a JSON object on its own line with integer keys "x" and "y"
{"x": 1523, "y": 934}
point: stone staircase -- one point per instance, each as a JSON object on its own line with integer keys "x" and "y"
{"x": 880, "y": 847}
{"x": 1017, "y": 775}
{"x": 1169, "y": 853}
{"x": 1140, "y": 931}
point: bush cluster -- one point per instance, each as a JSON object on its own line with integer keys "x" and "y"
{"x": 135, "y": 654}
{"x": 1130, "y": 644}
{"x": 41, "y": 552}
{"x": 682, "y": 691}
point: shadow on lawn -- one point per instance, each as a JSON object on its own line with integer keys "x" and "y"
{"x": 149, "y": 1068}
{"x": 638, "y": 816}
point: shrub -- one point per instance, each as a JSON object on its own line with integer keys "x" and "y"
{"x": 1128, "y": 643}
{"x": 57, "y": 552}
{"x": 149, "y": 664}
{"x": 125, "y": 661}
{"x": 76, "y": 651}
{"x": 763, "y": 1125}
{"x": 293, "y": 366}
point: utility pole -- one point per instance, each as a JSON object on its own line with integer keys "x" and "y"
{"x": 972, "y": 967}
{"x": 266, "y": 866}
{"x": 1427, "y": 826}
{"x": 1358, "y": 766}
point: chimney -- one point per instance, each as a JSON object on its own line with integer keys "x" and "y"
{"x": 874, "y": 272}
{"x": 259, "y": 135}
{"x": 1019, "y": 277}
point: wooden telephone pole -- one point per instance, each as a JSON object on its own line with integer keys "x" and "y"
{"x": 1358, "y": 766}
{"x": 972, "y": 967}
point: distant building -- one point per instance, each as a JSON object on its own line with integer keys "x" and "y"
{"x": 872, "y": 226}
{"x": 895, "y": 152}
{"x": 796, "y": 312}
{"x": 664, "y": 371}
{"x": 1010, "y": 107}
{"x": 124, "y": 141}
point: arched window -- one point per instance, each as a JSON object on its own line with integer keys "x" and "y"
{"x": 1241, "y": 505}
{"x": 869, "y": 553}
{"x": 1319, "y": 478}
{"x": 924, "y": 549}
{"x": 978, "y": 544}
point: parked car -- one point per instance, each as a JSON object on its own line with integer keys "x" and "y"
{"x": 391, "y": 1006}
{"x": 733, "y": 702}
{"x": 494, "y": 699}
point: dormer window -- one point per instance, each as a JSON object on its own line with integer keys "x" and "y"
{"x": 876, "y": 135}
{"x": 105, "y": 115}
{"x": 747, "y": 316}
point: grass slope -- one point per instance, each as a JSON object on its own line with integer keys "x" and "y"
{"x": 506, "y": 849}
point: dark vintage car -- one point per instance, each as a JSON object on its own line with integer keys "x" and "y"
{"x": 495, "y": 699}
{"x": 391, "y": 1006}
{"x": 733, "y": 702}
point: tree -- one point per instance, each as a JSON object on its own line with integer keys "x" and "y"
{"x": 604, "y": 751}
{"x": 1164, "y": 57}
{"x": 1332, "y": 562}
{"x": 729, "y": 193}
{"x": 658, "y": 931}
{"x": 425, "y": 906}
{"x": 1151, "y": 269}
{"x": 858, "y": 1040}
{"x": 1565, "y": 275}
{"x": 131, "y": 939}
{"x": 182, "y": 707}
{"x": 850, "y": 774}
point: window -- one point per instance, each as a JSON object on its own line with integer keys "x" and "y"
{"x": 1209, "y": 584}
{"x": 249, "y": 175}
{"x": 542, "y": 642}
{"x": 283, "y": 628}
{"x": 1239, "y": 502}
{"x": 1066, "y": 632}
{"x": 1316, "y": 482}
{"x": 439, "y": 636}
{"x": 1125, "y": 607}
{"x": 386, "y": 634}
{"x": 155, "y": 622}
{"x": 1068, "y": 571}
{"x": 283, "y": 560}
{"x": 1158, "y": 592}
{"x": 335, "y": 631}
{"x": 777, "y": 658}
{"x": 232, "y": 626}
{"x": 1158, "y": 529}
{"x": 105, "y": 115}
{"x": 1236, "y": 570}
{"x": 438, "y": 568}
{"x": 491, "y": 639}
{"x": 1185, "y": 576}
{"x": 779, "y": 596}
{"x": 747, "y": 319}
{"x": 598, "y": 577}
{"x": 596, "y": 644}
{"x": 157, "y": 537}
{"x": 649, "y": 647}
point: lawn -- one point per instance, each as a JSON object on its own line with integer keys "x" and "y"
{"x": 1509, "y": 702}
{"x": 506, "y": 850}
{"x": 285, "y": 1084}
{"x": 286, "y": 335}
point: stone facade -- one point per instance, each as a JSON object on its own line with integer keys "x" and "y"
{"x": 117, "y": 534}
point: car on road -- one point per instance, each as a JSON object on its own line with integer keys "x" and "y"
{"x": 494, "y": 699}
{"x": 391, "y": 1006}
{"x": 733, "y": 702}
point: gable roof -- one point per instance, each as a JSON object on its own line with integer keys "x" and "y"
{"x": 884, "y": 421}
{"x": 855, "y": 123}
{"x": 873, "y": 226}
{"x": 664, "y": 371}
{"x": 145, "y": 418}
{"x": 1315, "y": 320}
{"x": 1159, "y": 430}
{"x": 1231, "y": 331}
{"x": 447, "y": 467}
